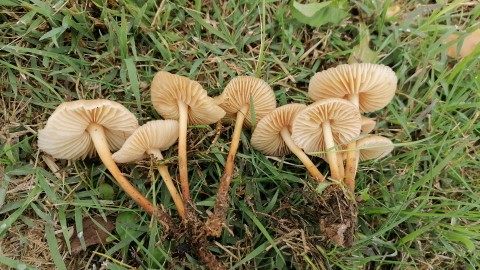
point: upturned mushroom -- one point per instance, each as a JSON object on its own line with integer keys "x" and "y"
{"x": 151, "y": 139}
{"x": 273, "y": 136}
{"x": 369, "y": 86}
{"x": 368, "y": 124}
{"x": 177, "y": 97}
{"x": 373, "y": 147}
{"x": 241, "y": 97}
{"x": 324, "y": 126}
{"x": 84, "y": 128}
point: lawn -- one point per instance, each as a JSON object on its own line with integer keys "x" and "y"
{"x": 419, "y": 208}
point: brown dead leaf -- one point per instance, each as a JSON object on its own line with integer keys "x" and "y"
{"x": 92, "y": 233}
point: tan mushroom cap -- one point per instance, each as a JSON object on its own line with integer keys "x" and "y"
{"x": 167, "y": 88}
{"x": 267, "y": 137}
{"x": 156, "y": 135}
{"x": 470, "y": 43}
{"x": 344, "y": 119}
{"x": 375, "y": 84}
{"x": 241, "y": 90}
{"x": 374, "y": 147}
{"x": 65, "y": 135}
{"x": 368, "y": 124}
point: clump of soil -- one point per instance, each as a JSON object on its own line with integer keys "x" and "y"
{"x": 196, "y": 235}
{"x": 338, "y": 215}
{"x": 331, "y": 212}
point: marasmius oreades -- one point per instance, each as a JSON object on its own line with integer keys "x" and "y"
{"x": 177, "y": 97}
{"x": 273, "y": 136}
{"x": 322, "y": 127}
{"x": 369, "y": 87}
{"x": 82, "y": 128}
{"x": 151, "y": 139}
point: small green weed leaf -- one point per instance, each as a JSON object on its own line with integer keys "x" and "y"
{"x": 106, "y": 192}
{"x": 125, "y": 224}
{"x": 318, "y": 14}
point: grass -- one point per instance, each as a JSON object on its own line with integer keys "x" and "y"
{"x": 419, "y": 207}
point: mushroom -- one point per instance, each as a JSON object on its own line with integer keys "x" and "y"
{"x": 177, "y": 97}
{"x": 369, "y": 86}
{"x": 373, "y": 147}
{"x": 471, "y": 41}
{"x": 151, "y": 139}
{"x": 368, "y": 124}
{"x": 324, "y": 126}
{"x": 83, "y": 128}
{"x": 241, "y": 97}
{"x": 273, "y": 136}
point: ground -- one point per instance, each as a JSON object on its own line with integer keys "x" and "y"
{"x": 417, "y": 209}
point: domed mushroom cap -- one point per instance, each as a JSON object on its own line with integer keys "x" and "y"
{"x": 375, "y": 84}
{"x": 156, "y": 135}
{"x": 374, "y": 147}
{"x": 241, "y": 90}
{"x": 167, "y": 88}
{"x": 267, "y": 138}
{"x": 344, "y": 119}
{"x": 65, "y": 135}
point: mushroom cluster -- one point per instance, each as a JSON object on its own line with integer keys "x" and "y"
{"x": 332, "y": 128}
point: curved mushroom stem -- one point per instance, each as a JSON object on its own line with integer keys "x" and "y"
{"x": 182, "y": 149}
{"x": 215, "y": 223}
{"x": 352, "y": 155}
{"x": 331, "y": 152}
{"x": 177, "y": 199}
{"x": 97, "y": 133}
{"x": 312, "y": 169}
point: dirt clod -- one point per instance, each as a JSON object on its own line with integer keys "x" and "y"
{"x": 338, "y": 216}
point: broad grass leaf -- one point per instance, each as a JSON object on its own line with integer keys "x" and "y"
{"x": 318, "y": 14}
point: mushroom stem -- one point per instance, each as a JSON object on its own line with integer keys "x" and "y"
{"x": 177, "y": 199}
{"x": 173, "y": 190}
{"x": 312, "y": 169}
{"x": 331, "y": 152}
{"x": 97, "y": 134}
{"x": 351, "y": 163}
{"x": 215, "y": 222}
{"x": 340, "y": 165}
{"x": 182, "y": 149}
